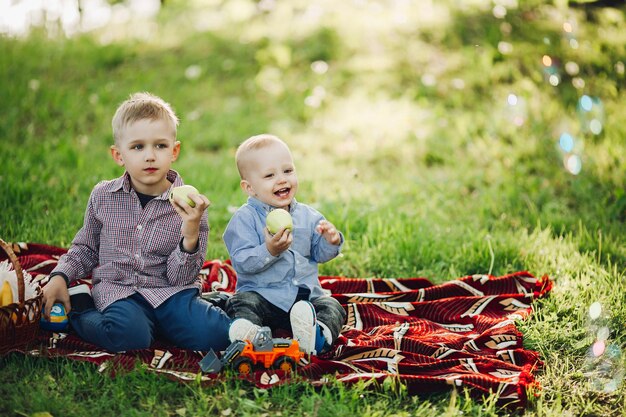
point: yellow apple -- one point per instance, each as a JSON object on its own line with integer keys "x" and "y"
{"x": 183, "y": 192}
{"x": 278, "y": 219}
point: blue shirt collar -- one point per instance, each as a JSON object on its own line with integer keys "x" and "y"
{"x": 266, "y": 208}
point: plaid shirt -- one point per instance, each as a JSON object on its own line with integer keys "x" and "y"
{"x": 128, "y": 249}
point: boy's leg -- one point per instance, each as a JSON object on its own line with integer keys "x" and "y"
{"x": 250, "y": 311}
{"x": 191, "y": 322}
{"x": 330, "y": 314}
{"x": 248, "y": 305}
{"x": 124, "y": 325}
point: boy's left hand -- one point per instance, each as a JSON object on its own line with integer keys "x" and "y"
{"x": 329, "y": 232}
{"x": 191, "y": 218}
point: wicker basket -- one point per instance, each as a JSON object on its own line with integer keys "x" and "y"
{"x": 19, "y": 322}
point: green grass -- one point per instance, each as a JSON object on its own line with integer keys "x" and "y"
{"x": 424, "y": 179}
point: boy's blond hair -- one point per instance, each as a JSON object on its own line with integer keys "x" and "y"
{"x": 141, "y": 106}
{"x": 251, "y": 144}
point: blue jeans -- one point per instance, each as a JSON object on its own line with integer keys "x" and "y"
{"x": 252, "y": 306}
{"x": 185, "y": 320}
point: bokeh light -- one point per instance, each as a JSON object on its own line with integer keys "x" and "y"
{"x": 550, "y": 68}
{"x": 573, "y": 164}
{"x": 572, "y": 68}
{"x": 319, "y": 67}
{"x": 193, "y": 72}
{"x": 595, "y": 309}
{"x": 511, "y": 99}
{"x": 546, "y": 61}
{"x": 603, "y": 365}
{"x": 505, "y": 48}
{"x": 554, "y": 80}
{"x": 591, "y": 114}
{"x": 578, "y": 83}
{"x": 566, "y": 142}
{"x": 428, "y": 80}
{"x": 516, "y": 109}
{"x": 499, "y": 11}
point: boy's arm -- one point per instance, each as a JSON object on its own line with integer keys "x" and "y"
{"x": 79, "y": 261}
{"x": 327, "y": 241}
{"x": 185, "y": 262}
{"x": 83, "y": 255}
{"x": 247, "y": 250}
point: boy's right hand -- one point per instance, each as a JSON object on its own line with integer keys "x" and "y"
{"x": 53, "y": 292}
{"x": 279, "y": 242}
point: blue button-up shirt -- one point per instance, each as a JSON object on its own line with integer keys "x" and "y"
{"x": 277, "y": 278}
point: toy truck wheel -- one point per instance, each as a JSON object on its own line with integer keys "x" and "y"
{"x": 284, "y": 363}
{"x": 243, "y": 365}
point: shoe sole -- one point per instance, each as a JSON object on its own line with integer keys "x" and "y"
{"x": 303, "y": 325}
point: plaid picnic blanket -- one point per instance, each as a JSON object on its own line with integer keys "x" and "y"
{"x": 424, "y": 337}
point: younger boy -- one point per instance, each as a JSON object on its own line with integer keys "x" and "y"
{"x": 143, "y": 252}
{"x": 277, "y": 275}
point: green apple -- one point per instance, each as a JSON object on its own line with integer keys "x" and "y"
{"x": 183, "y": 192}
{"x": 278, "y": 219}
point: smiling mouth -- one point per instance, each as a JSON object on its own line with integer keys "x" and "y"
{"x": 282, "y": 193}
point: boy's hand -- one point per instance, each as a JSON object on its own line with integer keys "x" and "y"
{"x": 191, "y": 218}
{"x": 55, "y": 291}
{"x": 279, "y": 242}
{"x": 329, "y": 232}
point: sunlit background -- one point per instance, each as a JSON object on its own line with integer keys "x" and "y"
{"x": 398, "y": 87}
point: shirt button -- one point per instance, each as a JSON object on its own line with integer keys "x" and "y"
{"x": 134, "y": 287}
{"x": 136, "y": 255}
{"x": 267, "y": 259}
{"x": 294, "y": 282}
{"x": 139, "y": 227}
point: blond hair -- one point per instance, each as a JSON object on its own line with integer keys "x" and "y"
{"x": 251, "y": 144}
{"x": 141, "y": 106}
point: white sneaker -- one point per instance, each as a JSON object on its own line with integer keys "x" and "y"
{"x": 304, "y": 325}
{"x": 242, "y": 329}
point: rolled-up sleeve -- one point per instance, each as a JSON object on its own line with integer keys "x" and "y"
{"x": 247, "y": 253}
{"x": 183, "y": 267}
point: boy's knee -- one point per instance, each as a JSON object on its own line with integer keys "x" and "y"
{"x": 126, "y": 336}
{"x": 241, "y": 302}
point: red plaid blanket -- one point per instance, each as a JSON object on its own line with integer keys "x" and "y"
{"x": 427, "y": 337}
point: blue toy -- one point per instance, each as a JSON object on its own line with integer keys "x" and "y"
{"x": 58, "y": 319}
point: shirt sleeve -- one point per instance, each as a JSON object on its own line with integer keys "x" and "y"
{"x": 183, "y": 267}
{"x": 82, "y": 257}
{"x": 321, "y": 250}
{"x": 247, "y": 251}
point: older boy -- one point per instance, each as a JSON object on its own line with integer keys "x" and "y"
{"x": 277, "y": 275}
{"x": 143, "y": 251}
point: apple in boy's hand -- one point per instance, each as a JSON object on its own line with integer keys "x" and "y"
{"x": 183, "y": 192}
{"x": 278, "y": 219}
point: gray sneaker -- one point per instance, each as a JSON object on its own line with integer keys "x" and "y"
{"x": 242, "y": 329}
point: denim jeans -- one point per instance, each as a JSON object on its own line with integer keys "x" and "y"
{"x": 252, "y": 306}
{"x": 185, "y": 320}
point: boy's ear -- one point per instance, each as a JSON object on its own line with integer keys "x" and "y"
{"x": 247, "y": 188}
{"x": 117, "y": 156}
{"x": 175, "y": 150}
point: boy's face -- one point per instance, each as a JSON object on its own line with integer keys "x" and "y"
{"x": 147, "y": 149}
{"x": 270, "y": 175}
